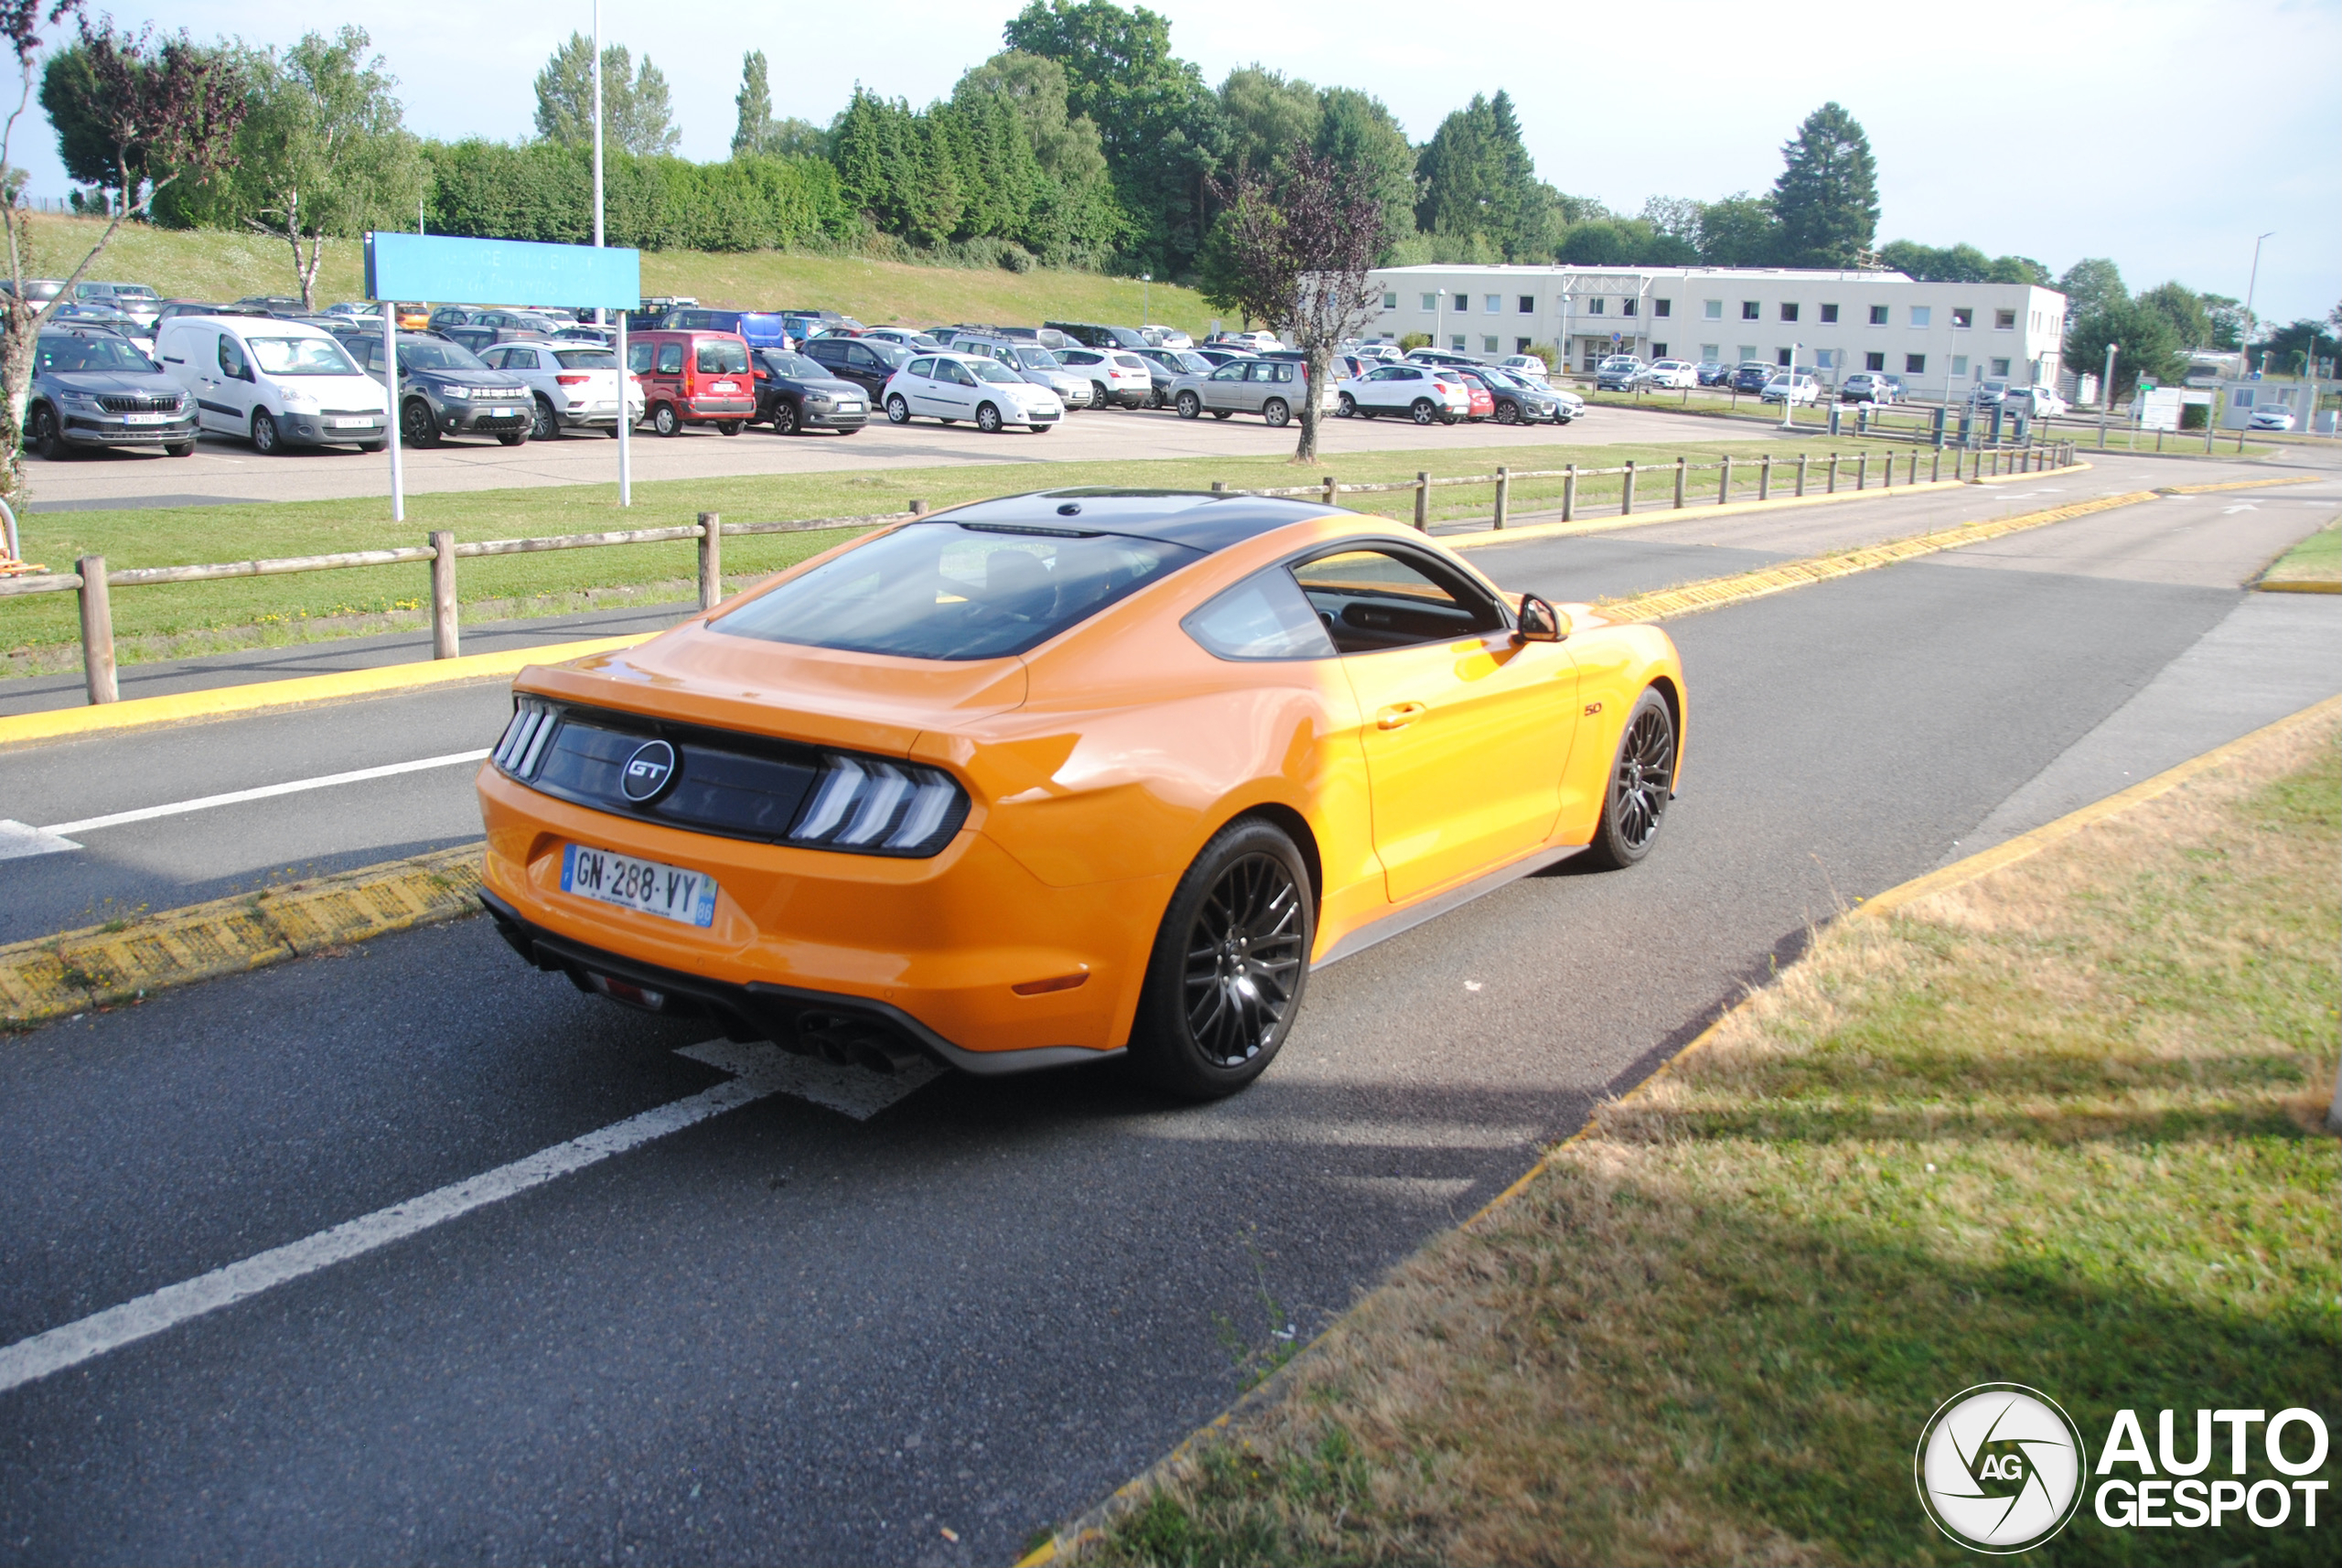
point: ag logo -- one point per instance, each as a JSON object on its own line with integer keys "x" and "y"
{"x": 2000, "y": 1468}
{"x": 647, "y": 771}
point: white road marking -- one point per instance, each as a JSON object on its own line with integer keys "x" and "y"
{"x": 762, "y": 1070}
{"x": 238, "y": 797}
{"x": 22, "y": 840}
{"x": 2233, "y": 511}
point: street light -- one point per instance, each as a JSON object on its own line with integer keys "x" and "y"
{"x": 2251, "y": 284}
{"x": 1438, "y": 315}
{"x": 1145, "y": 294}
{"x": 1788, "y": 391}
{"x": 2106, "y": 394}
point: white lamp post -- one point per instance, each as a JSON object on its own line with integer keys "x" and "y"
{"x": 1788, "y": 391}
{"x": 1146, "y": 297}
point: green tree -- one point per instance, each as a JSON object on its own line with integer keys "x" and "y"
{"x": 636, "y": 115}
{"x": 1478, "y": 179}
{"x": 1741, "y": 231}
{"x": 1827, "y": 194}
{"x": 2226, "y": 314}
{"x": 2149, "y": 345}
{"x": 324, "y": 153}
{"x": 2020, "y": 269}
{"x": 2091, "y": 283}
{"x": 1357, "y": 131}
{"x": 1267, "y": 115}
{"x": 753, "y": 131}
{"x": 2290, "y": 349}
{"x": 2184, "y": 308}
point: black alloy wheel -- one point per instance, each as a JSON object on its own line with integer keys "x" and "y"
{"x": 43, "y": 435}
{"x": 417, "y": 426}
{"x": 544, "y": 423}
{"x": 988, "y": 418}
{"x": 1100, "y": 397}
{"x": 1424, "y": 412}
{"x": 1642, "y": 779}
{"x": 784, "y": 417}
{"x": 1231, "y": 963}
{"x": 1508, "y": 413}
{"x": 266, "y": 440}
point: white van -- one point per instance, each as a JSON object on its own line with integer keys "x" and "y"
{"x": 274, "y": 383}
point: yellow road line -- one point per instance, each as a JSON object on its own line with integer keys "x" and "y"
{"x": 216, "y": 701}
{"x": 50, "y": 977}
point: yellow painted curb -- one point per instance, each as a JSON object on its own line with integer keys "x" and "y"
{"x": 2240, "y": 485}
{"x": 215, "y": 700}
{"x": 1958, "y": 874}
{"x": 2298, "y": 586}
{"x": 52, "y": 977}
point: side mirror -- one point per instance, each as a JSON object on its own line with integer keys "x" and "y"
{"x": 1540, "y": 622}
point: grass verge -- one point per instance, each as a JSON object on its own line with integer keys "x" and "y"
{"x": 38, "y": 633}
{"x": 2318, "y": 559}
{"x": 2059, "y": 1126}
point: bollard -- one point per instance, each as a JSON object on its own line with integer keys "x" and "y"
{"x": 1833, "y": 474}
{"x": 1569, "y": 491}
{"x": 1330, "y": 488}
{"x": 1765, "y": 477}
{"x": 1681, "y": 470}
{"x": 1723, "y": 486}
{"x": 1888, "y": 483}
{"x": 1504, "y": 492}
{"x": 1801, "y": 473}
{"x": 1423, "y": 502}
{"x": 711, "y": 560}
{"x": 97, "y": 631}
{"x": 1935, "y": 465}
{"x": 445, "y": 643}
{"x": 1861, "y": 471}
{"x": 1626, "y": 493}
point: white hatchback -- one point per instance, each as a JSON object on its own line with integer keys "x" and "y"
{"x": 575, "y": 385}
{"x": 974, "y": 387}
{"x": 1673, "y": 375}
{"x": 1116, "y": 376}
{"x": 1527, "y": 365}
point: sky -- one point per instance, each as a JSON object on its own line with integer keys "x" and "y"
{"x": 2158, "y": 132}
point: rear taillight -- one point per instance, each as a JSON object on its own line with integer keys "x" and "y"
{"x": 571, "y": 381}
{"x": 525, "y": 739}
{"x": 879, "y": 807}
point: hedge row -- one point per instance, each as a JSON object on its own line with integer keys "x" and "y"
{"x": 541, "y": 191}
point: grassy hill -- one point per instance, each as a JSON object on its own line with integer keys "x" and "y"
{"x": 218, "y": 265}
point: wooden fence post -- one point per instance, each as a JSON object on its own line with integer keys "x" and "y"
{"x": 1861, "y": 471}
{"x": 1626, "y": 493}
{"x": 711, "y": 560}
{"x": 445, "y": 643}
{"x": 97, "y": 631}
{"x": 1219, "y": 484}
{"x": 1569, "y": 491}
{"x": 1800, "y": 472}
{"x": 1330, "y": 488}
{"x": 1833, "y": 474}
{"x": 1934, "y": 468}
{"x": 1681, "y": 470}
{"x": 1504, "y": 492}
{"x": 1423, "y": 502}
{"x": 1765, "y": 477}
{"x": 919, "y": 508}
{"x": 1723, "y": 486}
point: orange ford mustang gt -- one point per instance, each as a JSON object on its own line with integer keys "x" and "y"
{"x": 1042, "y": 779}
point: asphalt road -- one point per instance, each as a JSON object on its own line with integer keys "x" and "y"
{"x": 223, "y": 471}
{"x": 784, "y": 1333}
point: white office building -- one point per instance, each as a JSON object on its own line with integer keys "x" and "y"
{"x": 1936, "y": 338}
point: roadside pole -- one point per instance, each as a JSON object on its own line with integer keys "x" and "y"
{"x": 2106, "y": 394}
{"x": 1789, "y": 391}
{"x": 390, "y": 397}
{"x": 626, "y": 422}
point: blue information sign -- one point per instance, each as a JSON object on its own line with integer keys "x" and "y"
{"x": 447, "y": 269}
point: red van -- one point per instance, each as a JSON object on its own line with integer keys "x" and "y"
{"x": 694, "y": 378}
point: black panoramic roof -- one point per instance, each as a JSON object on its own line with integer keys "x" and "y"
{"x": 1200, "y": 519}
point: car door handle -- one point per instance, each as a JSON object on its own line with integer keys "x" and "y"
{"x": 1399, "y": 715}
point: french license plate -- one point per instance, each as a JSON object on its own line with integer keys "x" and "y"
{"x": 849, "y": 407}
{"x": 501, "y": 412}
{"x": 723, "y": 386}
{"x": 148, "y": 418}
{"x": 687, "y": 897}
{"x": 352, "y": 423}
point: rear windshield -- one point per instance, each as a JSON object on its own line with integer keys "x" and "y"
{"x": 944, "y": 590}
{"x": 587, "y": 359}
{"x": 722, "y": 357}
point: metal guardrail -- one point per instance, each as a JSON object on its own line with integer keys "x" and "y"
{"x": 94, "y": 582}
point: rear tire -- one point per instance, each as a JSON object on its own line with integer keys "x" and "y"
{"x": 730, "y": 426}
{"x": 1642, "y": 779}
{"x": 1230, "y": 966}
{"x": 1422, "y": 412}
{"x": 897, "y": 411}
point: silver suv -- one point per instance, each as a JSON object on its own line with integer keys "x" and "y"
{"x": 1031, "y": 362}
{"x": 1271, "y": 388}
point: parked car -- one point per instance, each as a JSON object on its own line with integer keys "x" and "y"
{"x": 795, "y": 395}
{"x": 1090, "y": 335}
{"x": 133, "y": 299}
{"x": 96, "y": 389}
{"x": 1117, "y": 376}
{"x": 274, "y": 383}
{"x": 1166, "y": 337}
{"x": 1245, "y": 342}
{"x": 974, "y": 387}
{"x": 1273, "y": 389}
{"x": 1202, "y": 655}
{"x": 39, "y": 291}
{"x": 1988, "y": 394}
{"x": 275, "y": 303}
{"x": 1034, "y": 363}
{"x": 1526, "y": 365}
{"x": 1571, "y": 405}
{"x": 868, "y": 362}
{"x": 1712, "y": 373}
{"x": 1519, "y": 401}
{"x": 756, "y": 329}
{"x": 1221, "y": 353}
{"x": 444, "y": 390}
{"x": 1754, "y": 376}
{"x": 801, "y": 325}
{"x": 1166, "y": 366}
{"x": 2276, "y": 416}
{"x": 480, "y": 336}
{"x": 1784, "y": 387}
{"x": 902, "y": 338}
{"x": 1675, "y": 375}
{"x": 1868, "y": 386}
{"x": 2035, "y": 403}
{"x": 1421, "y": 393}
{"x": 694, "y": 378}
{"x": 575, "y": 386}
{"x": 97, "y": 318}
{"x": 1442, "y": 356}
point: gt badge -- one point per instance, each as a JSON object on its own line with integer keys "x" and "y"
{"x": 648, "y": 772}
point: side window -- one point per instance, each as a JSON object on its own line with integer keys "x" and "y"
{"x": 671, "y": 358}
{"x": 231, "y": 358}
{"x": 499, "y": 359}
{"x": 1231, "y": 371}
{"x": 1285, "y": 370}
{"x": 637, "y": 357}
{"x": 921, "y": 368}
{"x": 1372, "y": 599}
{"x": 1266, "y": 616}
{"x": 862, "y": 359}
{"x": 958, "y": 374}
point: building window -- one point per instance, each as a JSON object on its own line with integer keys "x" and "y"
{"x": 2000, "y": 369}
{"x": 1711, "y": 310}
{"x": 1750, "y": 310}
{"x": 2004, "y": 320}
{"x": 1711, "y": 353}
{"x": 1962, "y": 316}
{"x": 1829, "y": 315}
{"x": 1960, "y": 364}
{"x": 1788, "y": 311}
{"x": 1430, "y": 302}
{"x": 1495, "y": 305}
{"x": 1594, "y": 305}
{"x": 1390, "y": 301}
{"x": 1781, "y": 356}
{"x": 1748, "y": 352}
{"x": 1456, "y": 342}
{"x": 1521, "y": 345}
{"x": 1825, "y": 359}
{"x": 1488, "y": 344}
{"x": 1528, "y": 305}
{"x": 1662, "y": 308}
{"x": 1627, "y": 306}
{"x": 1922, "y": 315}
{"x": 1877, "y": 317}
{"x": 1658, "y": 351}
{"x": 1915, "y": 364}
{"x": 1874, "y": 361}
